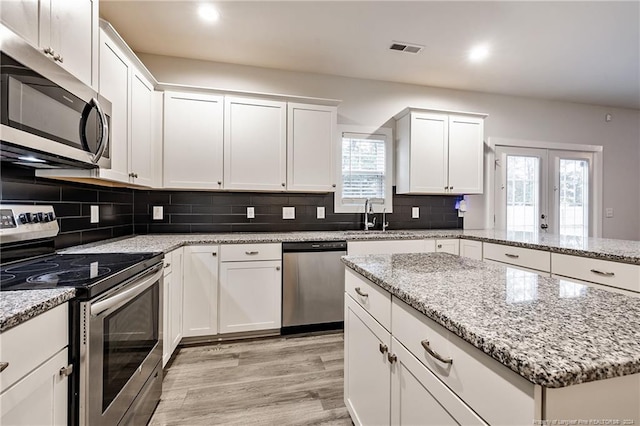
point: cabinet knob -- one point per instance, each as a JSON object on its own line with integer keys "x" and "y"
{"x": 277, "y": 268}
{"x": 3, "y": 366}
{"x": 392, "y": 357}
{"x": 219, "y": 182}
{"x": 58, "y": 58}
{"x": 383, "y": 348}
{"x": 446, "y": 187}
{"x": 48, "y": 51}
{"x": 451, "y": 188}
{"x": 66, "y": 371}
{"x": 439, "y": 245}
{"x": 333, "y": 185}
{"x": 283, "y": 184}
{"x": 214, "y": 254}
{"x": 167, "y": 265}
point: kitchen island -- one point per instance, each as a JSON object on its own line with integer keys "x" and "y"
{"x": 486, "y": 343}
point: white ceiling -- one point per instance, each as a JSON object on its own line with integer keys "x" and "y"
{"x": 577, "y": 51}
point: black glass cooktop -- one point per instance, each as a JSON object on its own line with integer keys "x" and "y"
{"x": 81, "y": 271}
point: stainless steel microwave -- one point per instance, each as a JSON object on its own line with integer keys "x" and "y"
{"x": 49, "y": 118}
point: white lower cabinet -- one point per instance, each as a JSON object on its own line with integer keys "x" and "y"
{"x": 448, "y": 246}
{"x": 471, "y": 249}
{"x": 250, "y": 290}
{"x": 172, "y": 304}
{"x": 200, "y": 303}
{"x": 33, "y": 386}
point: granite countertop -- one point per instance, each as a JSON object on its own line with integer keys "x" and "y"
{"x": 553, "y": 333}
{"x": 598, "y": 248}
{"x": 17, "y": 307}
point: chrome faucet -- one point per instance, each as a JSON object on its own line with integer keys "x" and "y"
{"x": 385, "y": 224}
{"x": 368, "y": 209}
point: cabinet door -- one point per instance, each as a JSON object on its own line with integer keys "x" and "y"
{"x": 114, "y": 85}
{"x": 255, "y": 144}
{"x": 166, "y": 315}
{"x": 419, "y": 398}
{"x": 471, "y": 249}
{"x": 448, "y": 246}
{"x": 367, "y": 378}
{"x": 193, "y": 126}
{"x": 250, "y": 296}
{"x": 310, "y": 140}
{"x": 40, "y": 398}
{"x": 200, "y": 293}
{"x": 141, "y": 146}
{"x": 72, "y": 35}
{"x": 22, "y": 17}
{"x": 428, "y": 153}
{"x": 466, "y": 154}
{"x": 176, "y": 291}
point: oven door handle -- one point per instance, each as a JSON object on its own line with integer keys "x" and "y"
{"x": 129, "y": 293}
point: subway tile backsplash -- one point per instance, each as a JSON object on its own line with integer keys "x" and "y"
{"x": 127, "y": 211}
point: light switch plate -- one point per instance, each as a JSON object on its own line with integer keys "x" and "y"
{"x": 415, "y": 212}
{"x": 320, "y": 212}
{"x": 608, "y": 212}
{"x": 288, "y": 212}
{"x": 95, "y": 214}
{"x": 158, "y": 212}
{"x": 251, "y": 212}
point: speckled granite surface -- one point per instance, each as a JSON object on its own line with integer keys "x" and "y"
{"x": 552, "y": 332}
{"x": 18, "y": 306}
{"x": 599, "y": 248}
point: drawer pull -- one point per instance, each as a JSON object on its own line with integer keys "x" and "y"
{"x": 604, "y": 274}
{"x": 436, "y": 355}
{"x": 383, "y": 348}
{"x": 513, "y": 256}
{"x": 392, "y": 358}
{"x": 3, "y": 366}
{"x": 214, "y": 254}
{"x": 361, "y": 293}
{"x": 167, "y": 265}
{"x": 66, "y": 371}
{"x": 251, "y": 253}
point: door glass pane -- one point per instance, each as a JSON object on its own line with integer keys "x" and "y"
{"x": 573, "y": 198}
{"x": 523, "y": 194}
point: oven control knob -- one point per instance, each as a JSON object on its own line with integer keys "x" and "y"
{"x": 41, "y": 217}
{"x": 35, "y": 218}
{"x": 24, "y": 218}
{"x": 49, "y": 217}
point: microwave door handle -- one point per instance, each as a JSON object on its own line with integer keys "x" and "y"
{"x": 104, "y": 138}
{"x": 98, "y": 307}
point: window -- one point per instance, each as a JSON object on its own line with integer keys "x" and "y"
{"x": 365, "y": 169}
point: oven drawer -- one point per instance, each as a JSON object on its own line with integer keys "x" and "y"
{"x": 250, "y": 252}
{"x": 497, "y": 394}
{"x": 372, "y": 298}
{"x": 518, "y": 256}
{"x": 614, "y": 274}
{"x": 28, "y": 345}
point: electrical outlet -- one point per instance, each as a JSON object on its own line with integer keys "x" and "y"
{"x": 251, "y": 212}
{"x": 415, "y": 212}
{"x": 95, "y": 214}
{"x": 320, "y": 212}
{"x": 158, "y": 212}
{"x": 288, "y": 212}
{"x": 608, "y": 212}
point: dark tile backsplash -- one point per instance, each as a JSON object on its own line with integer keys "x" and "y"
{"x": 127, "y": 211}
{"x": 72, "y": 204}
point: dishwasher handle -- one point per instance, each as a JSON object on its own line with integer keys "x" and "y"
{"x": 313, "y": 246}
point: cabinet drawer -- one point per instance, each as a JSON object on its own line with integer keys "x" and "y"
{"x": 249, "y": 252}
{"x": 528, "y": 258}
{"x": 28, "y": 345}
{"x": 497, "y": 394}
{"x": 614, "y": 274}
{"x": 372, "y": 298}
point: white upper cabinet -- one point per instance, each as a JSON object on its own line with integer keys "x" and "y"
{"x": 439, "y": 153}
{"x": 66, "y": 31}
{"x": 255, "y": 143}
{"x": 141, "y": 170}
{"x": 310, "y": 157}
{"x": 193, "y": 131}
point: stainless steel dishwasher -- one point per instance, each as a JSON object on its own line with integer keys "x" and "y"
{"x": 312, "y": 286}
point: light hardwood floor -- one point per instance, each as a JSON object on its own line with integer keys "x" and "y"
{"x": 275, "y": 381}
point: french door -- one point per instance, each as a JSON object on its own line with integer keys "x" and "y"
{"x": 543, "y": 191}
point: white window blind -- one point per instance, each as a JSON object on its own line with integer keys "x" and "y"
{"x": 363, "y": 166}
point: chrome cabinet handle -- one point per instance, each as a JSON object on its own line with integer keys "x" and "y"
{"x": 513, "y": 256}
{"x": 436, "y": 355}
{"x": 48, "y": 51}
{"x": 604, "y": 274}
{"x": 439, "y": 245}
{"x": 214, "y": 254}
{"x": 58, "y": 58}
{"x": 219, "y": 182}
{"x": 383, "y": 348}
{"x": 66, "y": 371}
{"x": 284, "y": 184}
{"x": 251, "y": 253}
{"x": 361, "y": 293}
{"x": 3, "y": 366}
{"x": 166, "y": 265}
{"x": 277, "y": 268}
{"x": 392, "y": 357}
{"x": 451, "y": 188}
{"x": 333, "y": 185}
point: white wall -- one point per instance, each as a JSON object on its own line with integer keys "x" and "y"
{"x": 368, "y": 102}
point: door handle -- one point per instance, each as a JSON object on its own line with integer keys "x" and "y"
{"x": 436, "y": 355}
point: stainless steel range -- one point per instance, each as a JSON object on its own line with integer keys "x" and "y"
{"x": 115, "y": 340}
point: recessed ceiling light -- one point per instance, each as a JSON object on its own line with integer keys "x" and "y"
{"x": 479, "y": 53}
{"x": 208, "y": 13}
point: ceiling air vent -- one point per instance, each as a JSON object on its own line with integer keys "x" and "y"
{"x": 406, "y": 47}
